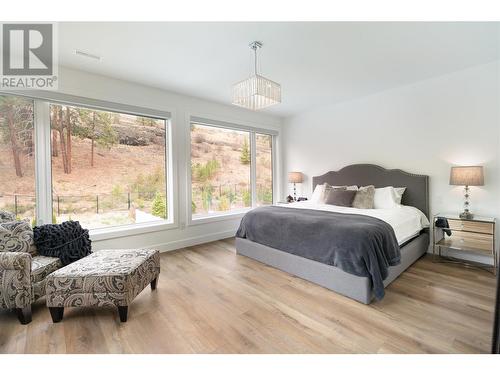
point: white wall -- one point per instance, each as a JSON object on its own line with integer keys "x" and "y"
{"x": 88, "y": 85}
{"x": 422, "y": 128}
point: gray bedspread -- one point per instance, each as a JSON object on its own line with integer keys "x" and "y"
{"x": 358, "y": 244}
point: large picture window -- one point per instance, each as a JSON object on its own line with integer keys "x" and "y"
{"x": 108, "y": 168}
{"x": 17, "y": 157}
{"x": 108, "y": 165}
{"x": 221, "y": 169}
{"x": 264, "y": 168}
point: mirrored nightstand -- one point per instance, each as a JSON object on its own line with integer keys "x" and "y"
{"x": 475, "y": 235}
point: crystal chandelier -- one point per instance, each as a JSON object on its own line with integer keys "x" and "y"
{"x": 256, "y": 92}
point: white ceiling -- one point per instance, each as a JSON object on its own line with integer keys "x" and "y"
{"x": 316, "y": 63}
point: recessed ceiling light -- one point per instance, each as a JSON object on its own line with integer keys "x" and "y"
{"x": 88, "y": 55}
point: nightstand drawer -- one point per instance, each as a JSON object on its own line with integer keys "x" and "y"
{"x": 468, "y": 241}
{"x": 471, "y": 226}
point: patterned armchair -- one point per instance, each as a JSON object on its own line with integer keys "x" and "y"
{"x": 22, "y": 272}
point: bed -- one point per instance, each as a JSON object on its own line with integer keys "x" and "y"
{"x": 411, "y": 246}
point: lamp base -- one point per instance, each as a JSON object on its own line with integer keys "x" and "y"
{"x": 466, "y": 215}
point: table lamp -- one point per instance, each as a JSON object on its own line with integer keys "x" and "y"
{"x": 295, "y": 178}
{"x": 467, "y": 176}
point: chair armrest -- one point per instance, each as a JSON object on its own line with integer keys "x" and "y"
{"x": 15, "y": 277}
{"x": 15, "y": 261}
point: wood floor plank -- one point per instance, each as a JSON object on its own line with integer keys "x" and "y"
{"x": 210, "y": 300}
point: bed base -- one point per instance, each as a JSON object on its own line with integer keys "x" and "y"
{"x": 331, "y": 277}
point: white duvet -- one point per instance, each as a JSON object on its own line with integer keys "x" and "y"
{"x": 406, "y": 221}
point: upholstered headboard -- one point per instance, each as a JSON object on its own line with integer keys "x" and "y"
{"x": 417, "y": 186}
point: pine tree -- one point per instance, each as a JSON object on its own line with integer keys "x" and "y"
{"x": 245, "y": 153}
{"x": 16, "y": 127}
{"x": 96, "y": 126}
{"x": 63, "y": 119}
{"x": 159, "y": 206}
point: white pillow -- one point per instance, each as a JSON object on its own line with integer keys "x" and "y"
{"x": 318, "y": 195}
{"x": 385, "y": 198}
{"x": 399, "y": 191}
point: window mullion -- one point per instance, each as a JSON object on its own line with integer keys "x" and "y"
{"x": 43, "y": 175}
{"x": 253, "y": 168}
{"x": 274, "y": 171}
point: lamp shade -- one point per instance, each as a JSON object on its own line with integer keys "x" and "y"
{"x": 467, "y": 176}
{"x": 295, "y": 177}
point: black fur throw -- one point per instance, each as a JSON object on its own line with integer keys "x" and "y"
{"x": 67, "y": 241}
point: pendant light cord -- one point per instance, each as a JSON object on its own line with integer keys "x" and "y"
{"x": 255, "y": 46}
{"x": 255, "y": 59}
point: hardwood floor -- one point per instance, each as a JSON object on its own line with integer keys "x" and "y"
{"x": 210, "y": 300}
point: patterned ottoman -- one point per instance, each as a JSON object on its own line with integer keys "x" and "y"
{"x": 104, "y": 278}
